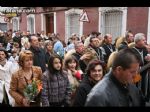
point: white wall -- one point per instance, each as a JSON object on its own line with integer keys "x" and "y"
{"x": 148, "y": 29}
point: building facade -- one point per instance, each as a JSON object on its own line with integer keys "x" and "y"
{"x": 65, "y": 21}
{"x": 3, "y": 24}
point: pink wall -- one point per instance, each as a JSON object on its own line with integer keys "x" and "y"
{"x": 87, "y": 27}
{"x": 38, "y": 24}
{"x": 60, "y": 24}
{"x": 23, "y": 23}
{"x": 93, "y": 16}
{"x": 137, "y": 19}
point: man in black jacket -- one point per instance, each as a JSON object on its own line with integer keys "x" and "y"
{"x": 140, "y": 49}
{"x": 3, "y": 39}
{"x": 17, "y": 39}
{"x": 39, "y": 53}
{"x": 79, "y": 48}
{"x": 94, "y": 44}
{"x": 117, "y": 88}
{"x": 107, "y": 47}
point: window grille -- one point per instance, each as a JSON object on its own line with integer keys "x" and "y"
{"x": 15, "y": 24}
{"x": 31, "y": 25}
{"x": 112, "y": 23}
{"x": 74, "y": 24}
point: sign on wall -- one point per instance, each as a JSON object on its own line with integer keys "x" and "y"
{"x": 6, "y": 19}
{"x": 11, "y": 14}
{"x": 84, "y": 17}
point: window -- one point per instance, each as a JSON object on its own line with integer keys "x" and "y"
{"x": 31, "y": 24}
{"x": 113, "y": 21}
{"x": 15, "y": 24}
{"x": 73, "y": 25}
{"x": 148, "y": 31}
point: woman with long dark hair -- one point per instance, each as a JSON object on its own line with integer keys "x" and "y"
{"x": 56, "y": 87}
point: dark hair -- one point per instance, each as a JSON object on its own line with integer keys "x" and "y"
{"x": 6, "y": 53}
{"x": 51, "y": 68}
{"x": 91, "y": 38}
{"x": 92, "y": 64}
{"x": 122, "y": 46}
{"x": 70, "y": 59}
{"x": 125, "y": 58}
{"x": 106, "y": 36}
{"x": 94, "y": 33}
{"x": 30, "y": 39}
{"x": 48, "y": 43}
{"x": 77, "y": 43}
{"x": 127, "y": 34}
{"x": 98, "y": 33}
{"x": 78, "y": 38}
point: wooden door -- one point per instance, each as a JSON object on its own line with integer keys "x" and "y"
{"x": 49, "y": 23}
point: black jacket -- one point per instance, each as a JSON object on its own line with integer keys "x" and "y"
{"x": 39, "y": 58}
{"x": 99, "y": 53}
{"x": 108, "y": 51}
{"x": 110, "y": 92}
{"x": 17, "y": 40}
{"x": 82, "y": 91}
{"x": 81, "y": 62}
{"x": 143, "y": 85}
{"x": 3, "y": 40}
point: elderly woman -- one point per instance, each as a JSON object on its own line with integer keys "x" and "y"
{"x": 23, "y": 77}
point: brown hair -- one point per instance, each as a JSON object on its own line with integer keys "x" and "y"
{"x": 70, "y": 59}
{"x": 48, "y": 43}
{"x": 93, "y": 64}
{"x": 25, "y": 55}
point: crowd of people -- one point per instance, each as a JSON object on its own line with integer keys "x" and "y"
{"x": 86, "y": 71}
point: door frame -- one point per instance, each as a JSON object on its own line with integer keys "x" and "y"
{"x": 43, "y": 21}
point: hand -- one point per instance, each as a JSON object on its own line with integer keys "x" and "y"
{"x": 85, "y": 56}
{"x": 147, "y": 58}
{"x": 26, "y": 102}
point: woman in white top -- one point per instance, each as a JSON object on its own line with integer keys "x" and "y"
{"x": 6, "y": 70}
{"x": 14, "y": 58}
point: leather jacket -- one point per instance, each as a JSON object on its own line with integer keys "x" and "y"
{"x": 110, "y": 92}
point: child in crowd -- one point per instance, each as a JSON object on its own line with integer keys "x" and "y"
{"x": 74, "y": 74}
